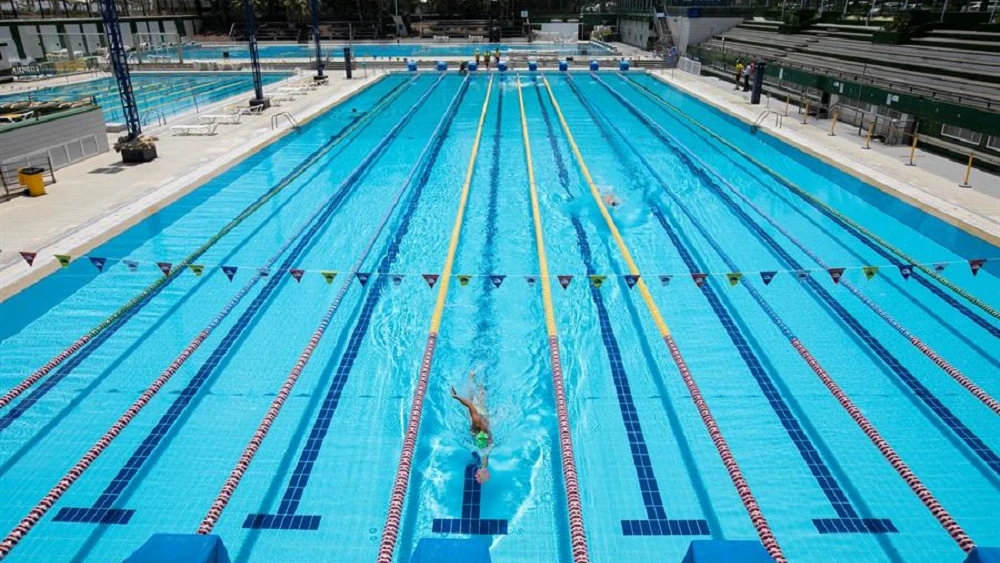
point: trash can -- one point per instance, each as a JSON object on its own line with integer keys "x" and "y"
{"x": 32, "y": 179}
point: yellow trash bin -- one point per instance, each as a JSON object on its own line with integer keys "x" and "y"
{"x": 32, "y": 179}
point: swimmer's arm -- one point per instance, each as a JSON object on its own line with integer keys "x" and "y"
{"x": 467, "y": 403}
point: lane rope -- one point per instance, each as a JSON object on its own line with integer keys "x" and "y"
{"x": 578, "y": 536}
{"x": 760, "y": 523}
{"x": 926, "y": 497}
{"x": 390, "y": 531}
{"x": 953, "y": 372}
{"x": 830, "y": 210}
{"x": 161, "y": 282}
{"x": 236, "y": 476}
{"x": 49, "y": 500}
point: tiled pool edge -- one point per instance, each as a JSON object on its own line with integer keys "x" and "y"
{"x": 18, "y": 276}
{"x": 955, "y": 215}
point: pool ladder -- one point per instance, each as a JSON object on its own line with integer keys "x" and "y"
{"x": 291, "y": 120}
{"x": 161, "y": 119}
{"x": 778, "y": 120}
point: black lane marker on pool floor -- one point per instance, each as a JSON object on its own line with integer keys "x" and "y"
{"x": 92, "y": 346}
{"x": 656, "y": 522}
{"x": 470, "y": 522}
{"x": 103, "y": 511}
{"x": 286, "y": 517}
{"x": 848, "y": 521}
{"x": 892, "y": 258}
{"x": 931, "y": 402}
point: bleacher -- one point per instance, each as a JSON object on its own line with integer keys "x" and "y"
{"x": 958, "y": 66}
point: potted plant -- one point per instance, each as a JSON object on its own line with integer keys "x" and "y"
{"x": 138, "y": 150}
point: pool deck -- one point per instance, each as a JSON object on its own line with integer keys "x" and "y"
{"x": 84, "y": 209}
{"x": 931, "y": 185}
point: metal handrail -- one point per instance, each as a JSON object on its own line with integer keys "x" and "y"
{"x": 778, "y": 119}
{"x": 291, "y": 120}
{"x": 161, "y": 119}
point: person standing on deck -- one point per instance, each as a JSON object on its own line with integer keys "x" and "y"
{"x": 739, "y": 73}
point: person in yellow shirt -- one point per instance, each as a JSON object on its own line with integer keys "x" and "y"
{"x": 739, "y": 73}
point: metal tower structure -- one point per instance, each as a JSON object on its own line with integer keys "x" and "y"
{"x": 258, "y": 87}
{"x": 314, "y": 8}
{"x": 119, "y": 65}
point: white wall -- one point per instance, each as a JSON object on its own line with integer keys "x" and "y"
{"x": 691, "y": 31}
{"x": 30, "y": 41}
{"x": 563, "y": 29}
{"x": 50, "y": 37}
{"x": 635, "y": 33}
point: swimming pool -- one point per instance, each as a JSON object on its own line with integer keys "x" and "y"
{"x": 400, "y": 51}
{"x": 347, "y": 227}
{"x": 157, "y": 94}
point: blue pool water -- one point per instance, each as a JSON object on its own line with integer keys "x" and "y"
{"x": 156, "y": 94}
{"x": 651, "y": 479}
{"x": 402, "y": 50}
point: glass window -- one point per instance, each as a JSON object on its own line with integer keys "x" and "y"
{"x": 993, "y": 143}
{"x": 961, "y": 134}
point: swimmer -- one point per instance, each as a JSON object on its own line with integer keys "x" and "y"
{"x": 611, "y": 200}
{"x": 479, "y": 425}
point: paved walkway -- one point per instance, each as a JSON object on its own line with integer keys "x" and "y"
{"x": 932, "y": 185}
{"x": 84, "y": 209}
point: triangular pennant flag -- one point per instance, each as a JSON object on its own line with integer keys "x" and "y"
{"x": 531, "y": 280}
{"x": 132, "y": 264}
{"x": 363, "y": 277}
{"x": 767, "y": 277}
{"x": 396, "y": 280}
{"x": 976, "y": 264}
{"x": 631, "y": 280}
{"x": 734, "y": 278}
{"x": 497, "y": 280}
{"x": 296, "y": 274}
{"x": 940, "y": 266}
{"x": 263, "y": 272}
{"x": 564, "y": 281}
{"x": 164, "y": 267}
{"x": 328, "y": 275}
{"x": 906, "y": 270}
{"x": 29, "y": 257}
{"x": 464, "y": 279}
{"x": 802, "y": 274}
{"x": 197, "y": 269}
{"x": 698, "y": 278}
{"x": 596, "y": 280}
{"x": 869, "y": 271}
{"x": 665, "y": 279}
{"x": 64, "y": 259}
{"x": 836, "y": 274}
{"x": 431, "y": 279}
{"x": 230, "y": 271}
{"x": 98, "y": 263}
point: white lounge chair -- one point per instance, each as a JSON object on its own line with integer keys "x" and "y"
{"x": 195, "y": 129}
{"x": 246, "y": 110}
{"x": 229, "y": 118}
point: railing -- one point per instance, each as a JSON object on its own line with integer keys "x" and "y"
{"x": 689, "y": 65}
{"x": 778, "y": 120}
{"x": 161, "y": 119}
{"x": 291, "y": 120}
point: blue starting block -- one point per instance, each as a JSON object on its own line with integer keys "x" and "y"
{"x": 190, "y": 548}
{"x": 411, "y": 66}
{"x": 502, "y": 66}
{"x": 472, "y": 67}
{"x": 563, "y": 66}
{"x": 623, "y": 64}
{"x": 984, "y": 555}
{"x": 442, "y": 66}
{"x": 442, "y": 550}
{"x": 532, "y": 66}
{"x": 726, "y": 551}
{"x": 594, "y": 65}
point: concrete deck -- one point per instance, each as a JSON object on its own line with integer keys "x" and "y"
{"x": 931, "y": 185}
{"x": 83, "y": 210}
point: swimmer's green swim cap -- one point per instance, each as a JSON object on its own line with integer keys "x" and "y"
{"x": 482, "y": 440}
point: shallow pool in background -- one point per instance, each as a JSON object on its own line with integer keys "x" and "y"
{"x": 692, "y": 208}
{"x": 386, "y": 50}
{"x": 157, "y": 94}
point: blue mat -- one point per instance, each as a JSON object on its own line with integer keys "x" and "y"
{"x": 723, "y": 551}
{"x": 171, "y": 548}
{"x": 441, "y": 550}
